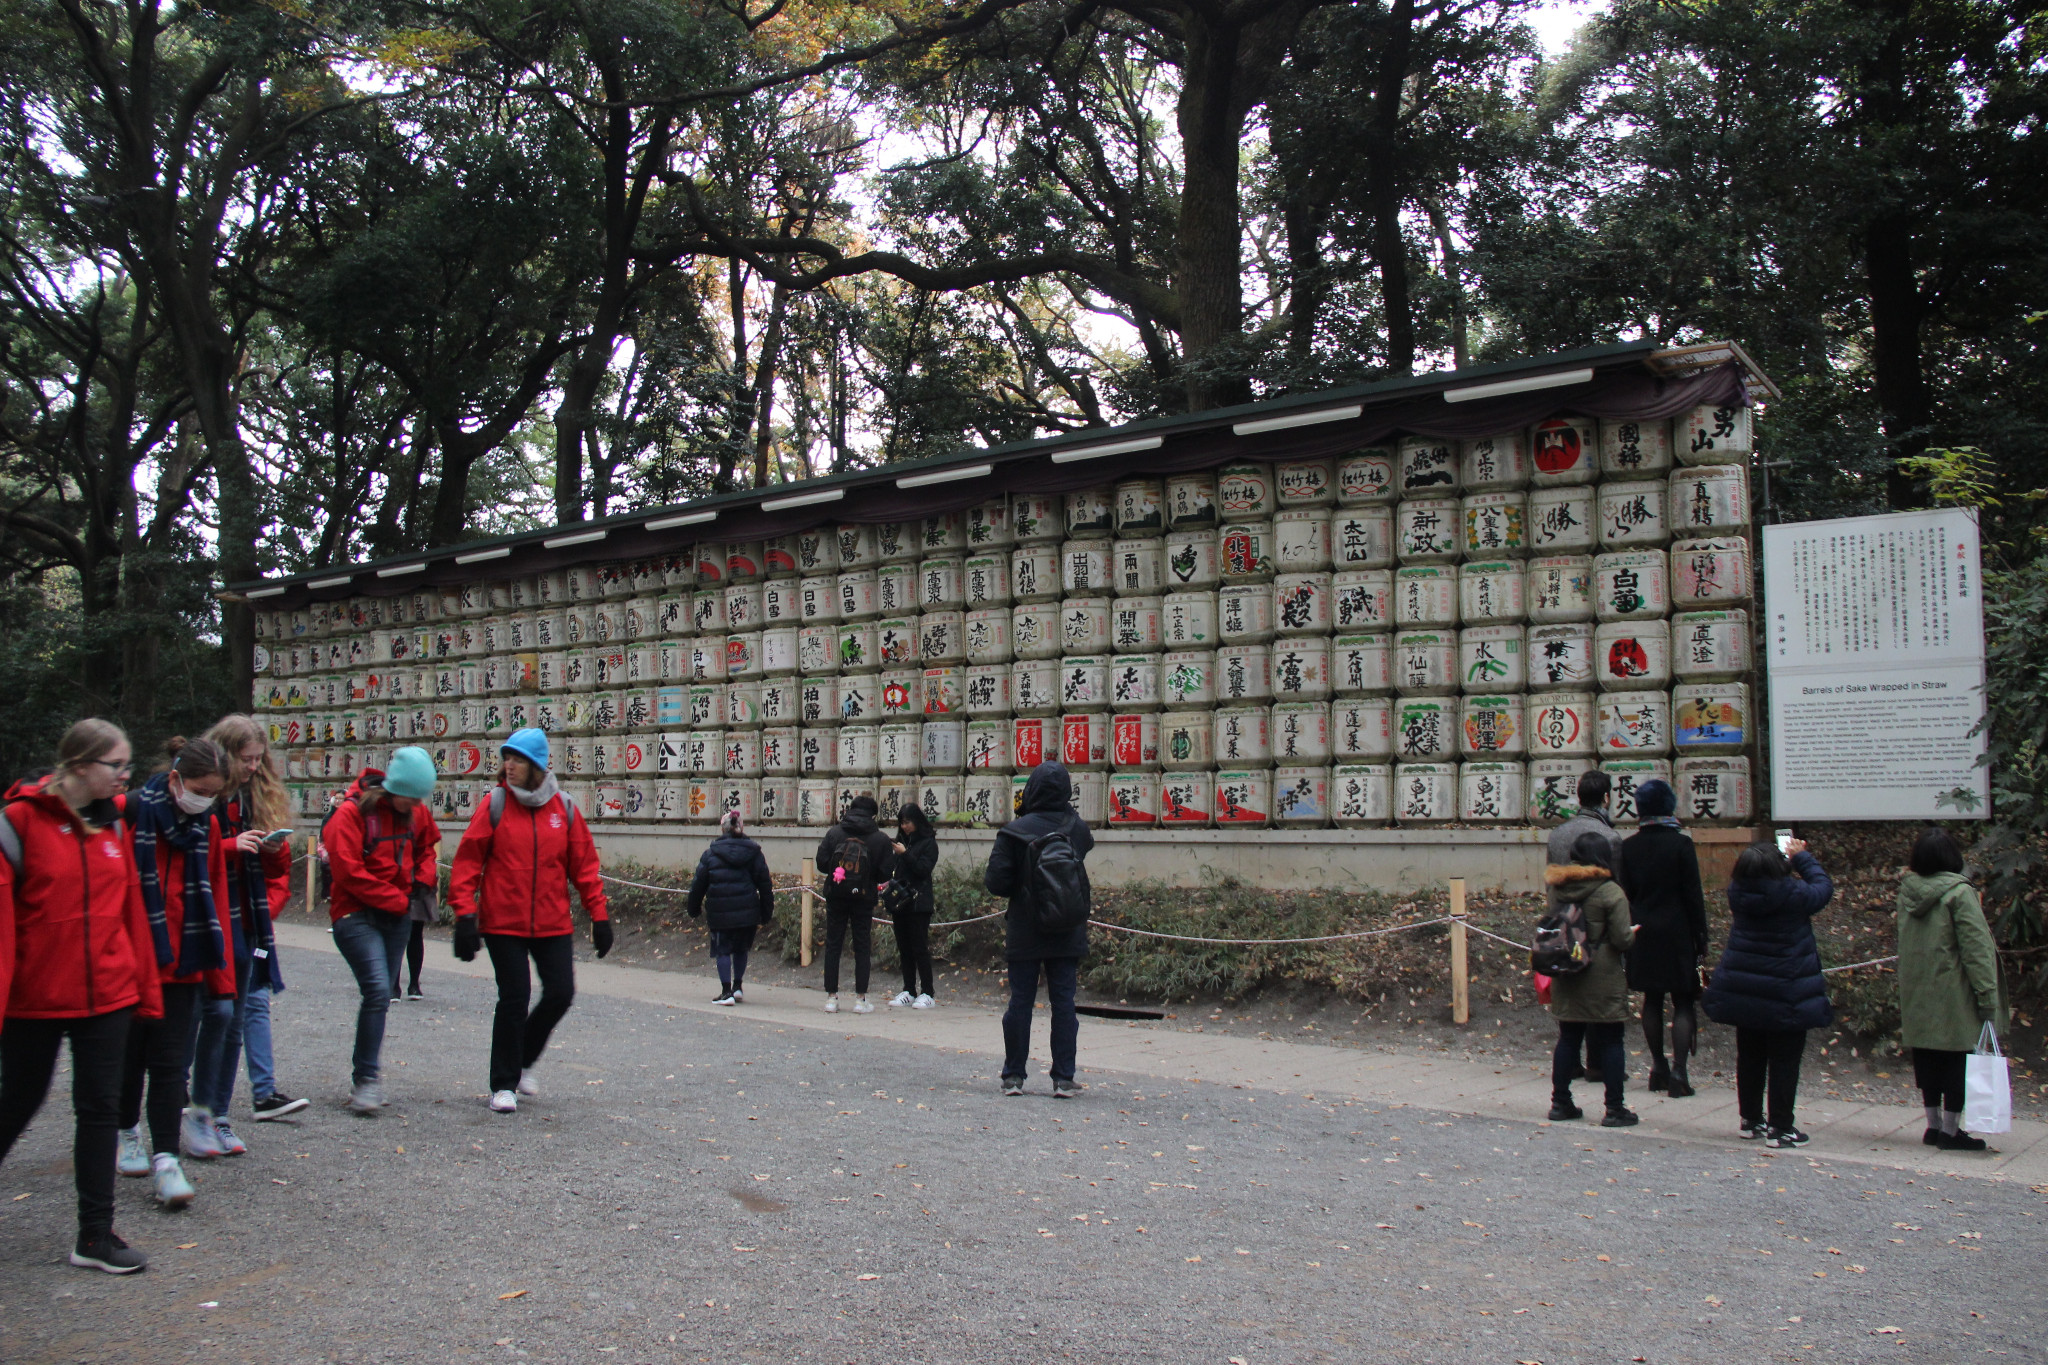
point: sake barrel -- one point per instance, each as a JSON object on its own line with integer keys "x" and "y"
{"x": 859, "y": 597}
{"x": 1244, "y": 613}
{"x": 1425, "y": 793}
{"x": 550, "y": 631}
{"x": 1709, "y": 646}
{"x": 1194, "y": 561}
{"x": 1710, "y": 717}
{"x": 637, "y": 756}
{"x": 547, "y": 715}
{"x": 1134, "y": 682}
{"x": 1361, "y": 728}
{"x": 818, "y": 701}
{"x": 986, "y": 636}
{"x": 1133, "y": 800}
{"x": 944, "y": 747}
{"x": 1426, "y": 662}
{"x": 1304, "y": 483}
{"x": 1492, "y": 464}
{"x": 1090, "y": 798}
{"x": 1494, "y": 525}
{"x": 1188, "y": 739}
{"x": 580, "y": 582}
{"x": 1084, "y": 567}
{"x": 944, "y": 689}
{"x": 987, "y": 800}
{"x": 858, "y": 650}
{"x": 942, "y": 583}
{"x": 1244, "y": 798}
{"x": 1137, "y": 625}
{"x": 1301, "y": 668}
{"x": 577, "y": 758}
{"x": 1710, "y": 573}
{"x": 1362, "y": 599}
{"x": 712, "y": 561}
{"x": 818, "y": 599}
{"x": 1035, "y": 572}
{"x": 1188, "y": 620}
{"x": 636, "y": 708}
{"x": 988, "y": 525}
{"x": 1426, "y": 727}
{"x": 1559, "y": 588}
{"x": 1084, "y": 739}
{"x": 1629, "y": 585}
{"x": 1630, "y": 656}
{"x": 1553, "y": 786}
{"x": 1137, "y": 567}
{"x": 671, "y": 796}
{"x": 896, "y": 589}
{"x": 1712, "y": 500}
{"x": 706, "y": 706}
{"x": 988, "y": 746}
{"x": 1037, "y": 517}
{"x": 743, "y": 705}
{"x": 1563, "y": 451}
{"x": 1715, "y": 790}
{"x": 1427, "y": 466}
{"x": 782, "y": 603}
{"x": 902, "y": 694}
{"x": 1490, "y": 591}
{"x": 1560, "y": 657}
{"x": 678, "y": 570}
{"x": 1302, "y": 604}
{"x": 847, "y": 790}
{"x": 897, "y": 542}
{"x": 1362, "y": 538}
{"x": 1140, "y": 507}
{"x": 899, "y": 746}
{"x": 1561, "y": 521}
{"x": 617, "y": 579}
{"x": 574, "y": 670}
{"x": 943, "y": 531}
{"x": 1627, "y": 774}
{"x": 707, "y": 612}
{"x": 1361, "y": 794}
{"x": 742, "y": 656}
{"x": 607, "y": 711}
{"x": 1634, "y": 724}
{"x": 1245, "y": 551}
{"x": 447, "y": 640}
{"x": 778, "y": 801}
{"x": 942, "y": 637}
{"x": 1491, "y": 792}
{"x": 1035, "y": 687}
{"x": 1134, "y": 741}
{"x": 1033, "y": 740}
{"x": 1187, "y": 677}
{"x": 1713, "y": 435}
{"x": 1632, "y": 449}
{"x": 1301, "y": 732}
{"x": 1427, "y": 531}
{"x": 1244, "y": 491}
{"x": 817, "y": 552}
{"x": 817, "y": 650}
{"x": 611, "y": 665}
{"x": 1084, "y": 625}
{"x": 1425, "y": 595}
{"x": 860, "y": 749}
{"x": 610, "y": 802}
{"x": 781, "y": 651}
{"x": 1084, "y": 682}
{"x": 1365, "y": 477}
{"x": 741, "y": 795}
{"x": 985, "y": 690}
{"x": 1301, "y": 540}
{"x": 1562, "y": 724}
{"x": 1091, "y": 512}
{"x": 985, "y": 580}
{"x": 1191, "y": 499}
{"x": 1244, "y": 675}
{"x": 1492, "y": 727}
{"x": 942, "y": 799}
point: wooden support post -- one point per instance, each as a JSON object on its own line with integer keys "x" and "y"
{"x": 312, "y": 868}
{"x": 1461, "y": 975}
{"x": 805, "y": 878}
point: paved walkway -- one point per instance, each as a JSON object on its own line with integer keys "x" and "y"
{"x": 1870, "y": 1134}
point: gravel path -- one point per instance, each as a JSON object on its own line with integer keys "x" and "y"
{"x": 713, "y": 1189}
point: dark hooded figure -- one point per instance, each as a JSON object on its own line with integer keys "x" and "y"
{"x": 734, "y": 893}
{"x": 855, "y": 858}
{"x": 911, "y": 904}
{"x": 1047, "y": 808}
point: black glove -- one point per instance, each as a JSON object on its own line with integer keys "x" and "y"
{"x": 601, "y": 935}
{"x": 467, "y": 939}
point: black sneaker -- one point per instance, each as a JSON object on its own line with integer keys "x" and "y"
{"x": 1932, "y": 1137}
{"x": 413, "y": 992}
{"x": 1960, "y": 1141}
{"x": 1564, "y": 1111}
{"x": 724, "y": 997}
{"x": 1013, "y": 1085}
{"x": 1620, "y": 1116}
{"x": 276, "y": 1105}
{"x": 1752, "y": 1131}
{"x": 1066, "y": 1090}
{"x": 1786, "y": 1137}
{"x": 105, "y": 1251}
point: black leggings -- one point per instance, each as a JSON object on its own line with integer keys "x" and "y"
{"x": 1685, "y": 1026}
{"x": 160, "y": 1050}
{"x": 838, "y": 919}
{"x": 99, "y": 1050}
{"x": 729, "y": 949}
{"x": 914, "y": 947}
{"x": 1768, "y": 1058}
{"x": 1940, "y": 1078}
{"x": 517, "y": 1037}
{"x": 415, "y": 953}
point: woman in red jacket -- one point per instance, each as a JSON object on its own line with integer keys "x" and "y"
{"x": 513, "y": 869}
{"x": 181, "y": 859}
{"x": 380, "y": 853}
{"x": 76, "y": 961}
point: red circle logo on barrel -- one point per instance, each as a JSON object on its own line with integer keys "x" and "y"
{"x": 1558, "y": 446}
{"x": 1626, "y": 659}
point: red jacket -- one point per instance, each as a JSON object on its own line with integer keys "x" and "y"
{"x": 74, "y": 937}
{"x": 372, "y": 860}
{"x": 219, "y": 981}
{"x": 520, "y": 871}
{"x": 276, "y": 859}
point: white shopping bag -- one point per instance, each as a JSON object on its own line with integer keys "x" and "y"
{"x": 1987, "y": 1088}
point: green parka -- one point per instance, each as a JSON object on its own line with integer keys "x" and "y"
{"x": 1598, "y": 995}
{"x": 1948, "y": 964}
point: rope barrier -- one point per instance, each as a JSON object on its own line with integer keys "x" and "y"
{"x": 1255, "y": 942}
{"x": 1850, "y": 967}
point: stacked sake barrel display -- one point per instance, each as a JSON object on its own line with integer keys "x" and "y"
{"x": 1430, "y": 632}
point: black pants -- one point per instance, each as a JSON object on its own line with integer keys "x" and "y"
{"x": 517, "y": 1037}
{"x": 1603, "y": 1047}
{"x": 839, "y": 917}
{"x": 1768, "y": 1058}
{"x": 1938, "y": 1074}
{"x": 99, "y": 1051}
{"x": 914, "y": 947}
{"x": 160, "y": 1051}
{"x": 415, "y": 955}
{"x": 729, "y": 949}
{"x": 1685, "y": 1026}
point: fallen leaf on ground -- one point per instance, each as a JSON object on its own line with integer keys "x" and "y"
{"x": 867, "y": 1277}
{"x": 1603, "y": 1258}
{"x": 515, "y": 1294}
{"x": 19, "y": 1197}
{"x": 187, "y": 1246}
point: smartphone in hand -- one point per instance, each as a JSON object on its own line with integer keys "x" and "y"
{"x": 278, "y": 836}
{"x": 1784, "y": 840}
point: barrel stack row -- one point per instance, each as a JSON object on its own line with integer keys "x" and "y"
{"x": 1429, "y": 631}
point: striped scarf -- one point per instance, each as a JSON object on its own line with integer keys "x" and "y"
{"x": 249, "y": 894}
{"x": 1670, "y": 820}
{"x": 160, "y": 827}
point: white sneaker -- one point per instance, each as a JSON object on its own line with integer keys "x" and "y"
{"x": 903, "y": 998}
{"x": 923, "y": 1002}
{"x": 861, "y": 1006}
{"x": 527, "y": 1084}
{"x": 196, "y": 1135}
{"x": 739, "y": 997}
{"x": 366, "y": 1099}
{"x": 504, "y": 1102}
{"x": 133, "y": 1158}
{"x": 173, "y": 1190}
{"x": 831, "y": 1004}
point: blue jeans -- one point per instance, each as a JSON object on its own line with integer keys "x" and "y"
{"x": 217, "y": 1047}
{"x": 1061, "y": 976}
{"x": 256, "y": 1042}
{"x": 373, "y": 943}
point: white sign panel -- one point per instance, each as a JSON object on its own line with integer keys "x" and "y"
{"x": 1876, "y": 655}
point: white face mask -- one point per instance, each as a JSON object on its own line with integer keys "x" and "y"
{"x": 193, "y": 804}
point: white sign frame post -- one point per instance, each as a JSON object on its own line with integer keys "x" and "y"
{"x": 1874, "y": 638}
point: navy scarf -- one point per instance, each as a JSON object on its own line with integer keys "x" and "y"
{"x": 160, "y": 827}
{"x": 248, "y": 886}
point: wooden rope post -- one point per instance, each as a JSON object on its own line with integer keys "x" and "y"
{"x": 312, "y": 868}
{"x": 805, "y": 876}
{"x": 1461, "y": 976}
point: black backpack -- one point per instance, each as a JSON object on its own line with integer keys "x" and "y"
{"x": 859, "y": 882}
{"x": 1562, "y": 947}
{"x": 1055, "y": 884}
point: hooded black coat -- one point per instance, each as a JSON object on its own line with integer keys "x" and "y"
{"x": 1660, "y": 871}
{"x": 1047, "y": 806}
{"x": 732, "y": 889}
{"x": 914, "y": 865}
{"x": 1769, "y": 974}
{"x": 860, "y": 825}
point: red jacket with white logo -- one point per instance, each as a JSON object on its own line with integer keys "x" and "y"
{"x": 519, "y": 873}
{"x": 74, "y": 937}
{"x": 374, "y": 859}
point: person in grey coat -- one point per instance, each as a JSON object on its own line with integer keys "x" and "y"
{"x": 1594, "y": 790}
{"x": 1046, "y": 807}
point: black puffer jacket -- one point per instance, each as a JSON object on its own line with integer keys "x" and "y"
{"x": 732, "y": 889}
{"x": 855, "y": 824}
{"x": 915, "y": 863}
{"x": 1769, "y": 974}
{"x": 1048, "y": 805}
